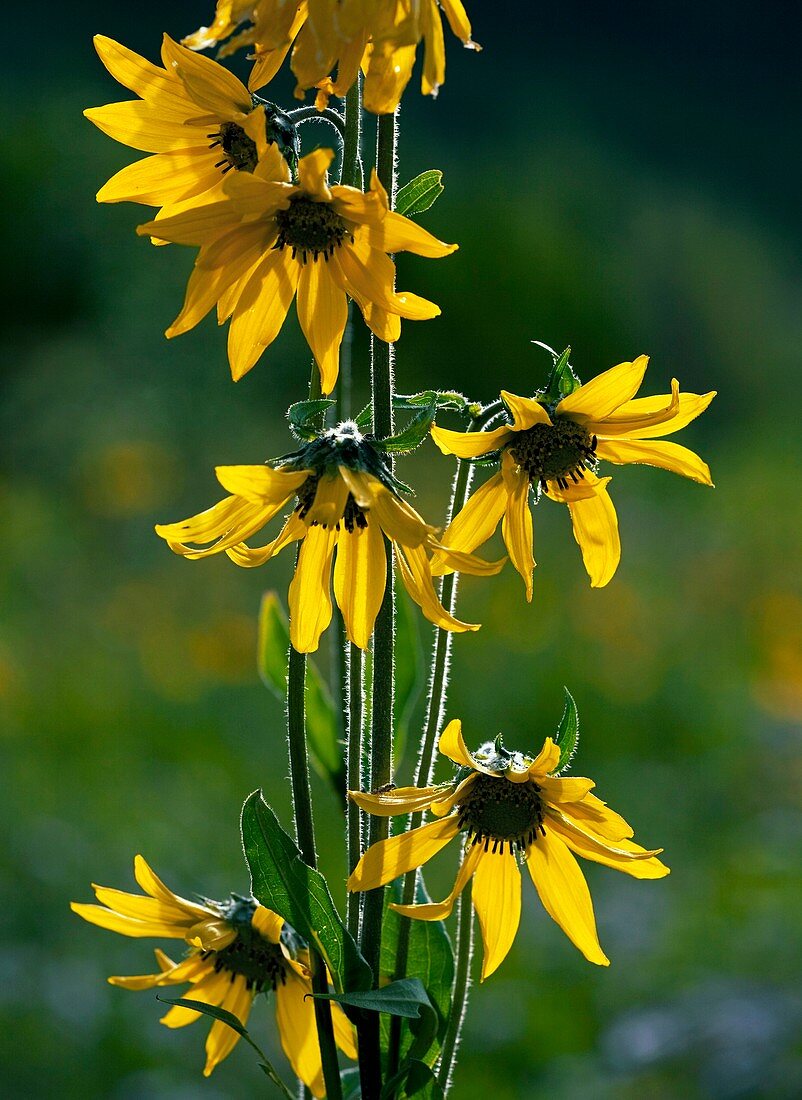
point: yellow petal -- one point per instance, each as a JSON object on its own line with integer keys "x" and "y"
{"x": 452, "y": 744}
{"x": 153, "y": 910}
{"x": 596, "y": 816}
{"x": 621, "y": 855}
{"x": 606, "y": 392}
{"x": 458, "y": 21}
{"x": 571, "y": 789}
{"x": 668, "y": 456}
{"x": 331, "y": 495}
{"x": 261, "y": 310}
{"x": 497, "y": 900}
{"x": 444, "y": 805}
{"x": 248, "y": 557}
{"x": 647, "y": 417}
{"x": 310, "y": 589}
{"x": 312, "y": 174}
{"x": 475, "y": 523}
{"x": 222, "y": 1039}
{"x": 145, "y": 127}
{"x": 433, "y": 74}
{"x": 210, "y": 85}
{"x": 153, "y": 885}
{"x": 416, "y": 576}
{"x": 268, "y": 924}
{"x": 193, "y": 226}
{"x": 363, "y": 487}
{"x": 525, "y": 411}
{"x": 371, "y": 275}
{"x": 565, "y": 895}
{"x": 343, "y": 1032}
{"x": 388, "y": 859}
{"x": 163, "y": 178}
{"x": 323, "y": 313}
{"x": 470, "y": 444}
{"x": 596, "y": 530}
{"x": 456, "y": 561}
{"x": 516, "y": 526}
{"x": 261, "y": 484}
{"x": 442, "y": 909}
{"x": 126, "y": 926}
{"x": 208, "y": 284}
{"x": 399, "y": 520}
{"x": 295, "y": 1016}
{"x": 395, "y": 233}
{"x": 399, "y": 800}
{"x": 210, "y": 991}
{"x": 360, "y": 576}
{"x": 546, "y": 760}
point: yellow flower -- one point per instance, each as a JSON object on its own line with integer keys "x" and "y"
{"x": 346, "y": 505}
{"x": 508, "y": 807}
{"x": 237, "y": 949}
{"x": 194, "y": 115}
{"x": 382, "y": 37}
{"x": 554, "y": 448}
{"x": 269, "y": 239}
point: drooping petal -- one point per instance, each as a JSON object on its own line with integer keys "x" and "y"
{"x": 516, "y": 527}
{"x": 310, "y": 589}
{"x": 222, "y": 1039}
{"x": 249, "y": 557}
{"x": 153, "y": 910}
{"x": 564, "y": 894}
{"x": 605, "y": 393}
{"x": 416, "y": 576}
{"x": 323, "y": 313}
{"x": 387, "y": 859}
{"x": 621, "y": 855}
{"x": 470, "y": 444}
{"x": 399, "y": 520}
{"x": 343, "y": 1032}
{"x": 149, "y": 881}
{"x": 261, "y": 310}
{"x": 261, "y": 484}
{"x": 647, "y": 417}
{"x": 331, "y": 495}
{"x": 475, "y": 523}
{"x": 395, "y": 233}
{"x": 196, "y": 226}
{"x": 571, "y": 789}
{"x": 399, "y": 800}
{"x": 596, "y": 530}
{"x": 445, "y": 804}
{"x": 497, "y": 901}
{"x": 127, "y": 926}
{"x": 439, "y": 910}
{"x": 525, "y": 411}
{"x": 209, "y": 991}
{"x": 295, "y": 1016}
{"x": 666, "y": 455}
{"x": 360, "y": 575}
{"x": 238, "y": 253}
{"x": 596, "y": 816}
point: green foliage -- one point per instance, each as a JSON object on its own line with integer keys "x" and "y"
{"x": 322, "y": 726}
{"x": 281, "y": 881}
{"x": 413, "y": 434}
{"x": 418, "y": 1080}
{"x": 228, "y": 1018}
{"x": 306, "y": 417}
{"x": 406, "y": 998}
{"x": 562, "y": 380}
{"x": 420, "y": 193}
{"x": 409, "y": 669}
{"x": 567, "y": 737}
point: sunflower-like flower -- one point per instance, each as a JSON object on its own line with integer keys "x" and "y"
{"x": 237, "y": 949}
{"x": 382, "y": 37}
{"x": 507, "y": 807}
{"x": 198, "y": 120}
{"x": 269, "y": 239}
{"x": 346, "y": 503}
{"x": 553, "y": 447}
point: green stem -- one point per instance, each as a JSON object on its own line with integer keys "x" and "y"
{"x": 462, "y": 984}
{"x": 381, "y": 743}
{"x": 354, "y": 719}
{"x": 305, "y": 836}
{"x": 353, "y": 133}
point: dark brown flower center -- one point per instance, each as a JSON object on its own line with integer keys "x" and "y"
{"x": 494, "y": 809}
{"x": 261, "y": 963}
{"x": 310, "y": 228}
{"x": 239, "y": 151}
{"x": 554, "y": 452}
{"x": 353, "y": 515}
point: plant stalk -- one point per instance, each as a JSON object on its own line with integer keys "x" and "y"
{"x": 354, "y": 720}
{"x": 462, "y": 984}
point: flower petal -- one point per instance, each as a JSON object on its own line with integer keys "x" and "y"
{"x": 213, "y": 87}
{"x": 209, "y": 991}
{"x": 310, "y": 589}
{"x": 497, "y": 900}
{"x": 261, "y": 310}
{"x": 571, "y": 789}
{"x": 452, "y": 744}
{"x": 387, "y": 859}
{"x": 268, "y": 924}
{"x": 261, "y": 484}
{"x": 606, "y": 392}
{"x": 416, "y": 576}
{"x": 666, "y": 455}
{"x": 360, "y": 576}
{"x": 297, "y": 1028}
{"x": 312, "y": 172}
{"x": 395, "y": 233}
{"x": 623, "y": 855}
{"x": 525, "y": 411}
{"x": 516, "y": 527}
{"x": 470, "y": 444}
{"x": 647, "y": 417}
{"x": 249, "y": 557}
{"x": 126, "y": 926}
{"x": 475, "y": 523}
{"x": 546, "y": 760}
{"x": 399, "y": 800}
{"x": 143, "y": 126}
{"x": 564, "y": 894}
{"x": 163, "y": 178}
{"x": 439, "y": 910}
{"x": 596, "y": 530}
{"x": 222, "y": 1039}
{"x": 323, "y": 312}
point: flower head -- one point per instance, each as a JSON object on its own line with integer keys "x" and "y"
{"x": 343, "y": 35}
{"x": 507, "y": 807}
{"x": 269, "y": 239}
{"x": 554, "y": 448}
{"x": 196, "y": 117}
{"x": 237, "y": 949}
{"x": 347, "y": 502}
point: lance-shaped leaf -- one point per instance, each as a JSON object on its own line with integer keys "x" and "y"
{"x": 413, "y": 434}
{"x": 281, "y": 881}
{"x": 418, "y": 1080}
{"x": 406, "y": 997}
{"x": 322, "y": 726}
{"x": 228, "y": 1018}
{"x": 567, "y": 737}
{"x": 562, "y": 380}
{"x": 448, "y": 400}
{"x": 306, "y": 417}
{"x": 420, "y": 193}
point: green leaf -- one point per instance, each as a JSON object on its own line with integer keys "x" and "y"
{"x": 228, "y": 1018}
{"x": 419, "y": 194}
{"x": 562, "y": 380}
{"x": 352, "y": 1086}
{"x": 364, "y": 419}
{"x": 413, "y": 434}
{"x": 409, "y": 669}
{"x": 406, "y": 997}
{"x": 306, "y": 417}
{"x": 322, "y": 725}
{"x": 567, "y": 737}
{"x": 447, "y": 400}
{"x": 418, "y": 1080}
{"x": 281, "y": 881}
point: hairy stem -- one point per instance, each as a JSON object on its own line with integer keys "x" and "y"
{"x": 381, "y": 744}
{"x": 462, "y": 984}
{"x": 354, "y": 719}
{"x": 305, "y": 836}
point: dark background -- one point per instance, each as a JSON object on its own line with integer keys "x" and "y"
{"x": 621, "y": 178}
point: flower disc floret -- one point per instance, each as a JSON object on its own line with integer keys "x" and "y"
{"x": 310, "y": 228}
{"x": 238, "y": 150}
{"x": 554, "y": 452}
{"x": 502, "y": 813}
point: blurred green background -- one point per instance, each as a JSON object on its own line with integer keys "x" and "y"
{"x": 623, "y": 179}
